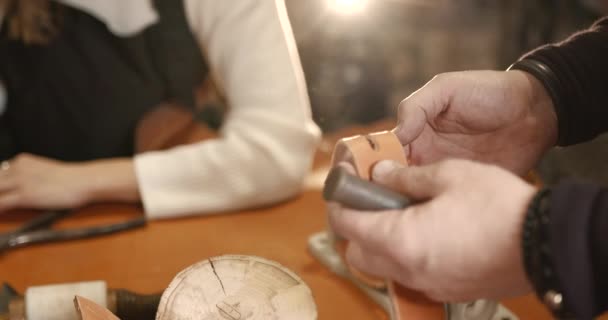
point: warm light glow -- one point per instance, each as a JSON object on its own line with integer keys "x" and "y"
{"x": 348, "y": 7}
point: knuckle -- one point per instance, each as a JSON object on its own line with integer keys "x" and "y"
{"x": 20, "y": 159}
{"x": 23, "y": 156}
{"x": 403, "y": 103}
{"x": 407, "y": 105}
{"x": 440, "y": 77}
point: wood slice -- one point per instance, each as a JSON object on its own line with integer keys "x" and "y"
{"x": 236, "y": 287}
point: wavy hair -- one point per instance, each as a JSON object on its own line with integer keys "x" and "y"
{"x": 30, "y": 21}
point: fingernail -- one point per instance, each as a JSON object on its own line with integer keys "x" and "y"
{"x": 383, "y": 167}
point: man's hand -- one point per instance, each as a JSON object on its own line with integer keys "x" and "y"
{"x": 461, "y": 242}
{"x": 504, "y": 118}
{"x": 35, "y": 182}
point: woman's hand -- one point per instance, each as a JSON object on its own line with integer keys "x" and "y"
{"x": 34, "y": 182}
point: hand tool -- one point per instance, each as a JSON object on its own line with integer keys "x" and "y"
{"x": 356, "y": 193}
{"x": 38, "y": 230}
{"x": 54, "y": 302}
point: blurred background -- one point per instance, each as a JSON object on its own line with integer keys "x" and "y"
{"x": 362, "y": 57}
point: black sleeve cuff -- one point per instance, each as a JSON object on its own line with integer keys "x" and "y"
{"x": 551, "y": 83}
{"x": 574, "y": 207}
{"x": 574, "y": 73}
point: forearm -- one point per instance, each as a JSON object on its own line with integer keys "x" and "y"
{"x": 577, "y": 69}
{"x": 257, "y": 161}
{"x": 107, "y": 180}
{"x": 267, "y": 141}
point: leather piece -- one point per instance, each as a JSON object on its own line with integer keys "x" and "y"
{"x": 363, "y": 152}
{"x": 89, "y": 310}
{"x": 237, "y": 287}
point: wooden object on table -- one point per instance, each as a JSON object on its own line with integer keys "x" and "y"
{"x": 89, "y": 310}
{"x": 55, "y": 301}
{"x": 236, "y": 287}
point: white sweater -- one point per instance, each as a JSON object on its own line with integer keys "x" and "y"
{"x": 268, "y": 138}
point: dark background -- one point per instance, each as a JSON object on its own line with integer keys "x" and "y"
{"x": 360, "y": 66}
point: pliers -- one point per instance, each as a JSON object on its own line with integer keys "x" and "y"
{"x": 38, "y": 230}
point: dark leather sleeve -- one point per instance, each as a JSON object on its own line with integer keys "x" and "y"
{"x": 580, "y": 65}
{"x": 7, "y": 145}
{"x": 579, "y": 243}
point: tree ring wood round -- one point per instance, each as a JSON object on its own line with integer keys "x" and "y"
{"x": 237, "y": 287}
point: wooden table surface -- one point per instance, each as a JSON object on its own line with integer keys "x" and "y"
{"x": 146, "y": 260}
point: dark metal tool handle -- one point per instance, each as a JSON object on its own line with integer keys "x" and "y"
{"x": 41, "y": 221}
{"x": 356, "y": 193}
{"x": 133, "y": 306}
{"x": 49, "y": 235}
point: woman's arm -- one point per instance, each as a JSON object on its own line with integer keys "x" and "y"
{"x": 263, "y": 153}
{"x": 268, "y": 139}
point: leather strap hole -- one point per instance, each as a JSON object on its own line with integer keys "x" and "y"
{"x": 372, "y": 142}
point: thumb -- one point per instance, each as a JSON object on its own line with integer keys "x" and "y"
{"x": 418, "y": 109}
{"x": 420, "y": 183}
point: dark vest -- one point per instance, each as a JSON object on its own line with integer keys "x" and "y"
{"x": 81, "y": 96}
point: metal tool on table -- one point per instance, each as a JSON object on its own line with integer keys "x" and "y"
{"x": 356, "y": 193}
{"x": 38, "y": 230}
{"x": 55, "y": 302}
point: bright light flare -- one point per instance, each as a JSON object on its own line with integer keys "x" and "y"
{"x": 348, "y": 7}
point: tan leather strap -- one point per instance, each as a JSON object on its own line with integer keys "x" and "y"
{"x": 363, "y": 152}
